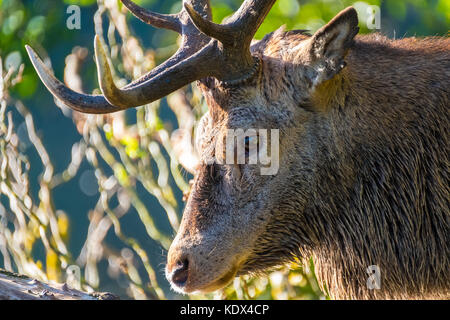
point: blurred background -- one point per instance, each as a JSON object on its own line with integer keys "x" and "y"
{"x": 96, "y": 200}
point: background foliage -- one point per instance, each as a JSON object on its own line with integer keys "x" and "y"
{"x": 104, "y": 193}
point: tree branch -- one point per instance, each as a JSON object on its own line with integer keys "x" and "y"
{"x": 18, "y": 287}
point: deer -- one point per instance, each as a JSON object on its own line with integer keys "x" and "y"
{"x": 363, "y": 176}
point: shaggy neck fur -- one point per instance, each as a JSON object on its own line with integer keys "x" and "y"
{"x": 380, "y": 192}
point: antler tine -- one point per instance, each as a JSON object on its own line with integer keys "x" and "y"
{"x": 164, "y": 21}
{"x": 77, "y": 101}
{"x": 240, "y": 28}
{"x": 250, "y": 16}
{"x": 221, "y": 32}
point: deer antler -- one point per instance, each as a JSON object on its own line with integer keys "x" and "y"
{"x": 164, "y": 21}
{"x": 207, "y": 49}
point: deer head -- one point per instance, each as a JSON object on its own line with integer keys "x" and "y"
{"x": 236, "y": 219}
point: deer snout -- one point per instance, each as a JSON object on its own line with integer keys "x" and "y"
{"x": 178, "y": 275}
{"x": 198, "y": 268}
{"x": 178, "y": 268}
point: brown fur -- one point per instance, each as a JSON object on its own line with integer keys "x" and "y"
{"x": 364, "y": 166}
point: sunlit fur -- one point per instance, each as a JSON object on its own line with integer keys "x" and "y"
{"x": 364, "y": 166}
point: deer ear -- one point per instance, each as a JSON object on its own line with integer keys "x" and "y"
{"x": 329, "y": 45}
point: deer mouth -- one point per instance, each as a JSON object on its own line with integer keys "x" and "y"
{"x": 193, "y": 287}
{"x": 219, "y": 283}
{"x": 196, "y": 287}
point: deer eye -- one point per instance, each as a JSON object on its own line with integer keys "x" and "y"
{"x": 248, "y": 141}
{"x": 247, "y": 145}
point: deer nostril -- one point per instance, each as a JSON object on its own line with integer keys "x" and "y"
{"x": 181, "y": 273}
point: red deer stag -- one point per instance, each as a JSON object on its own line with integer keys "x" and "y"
{"x": 363, "y": 175}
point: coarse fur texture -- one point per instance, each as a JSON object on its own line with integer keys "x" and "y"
{"x": 364, "y": 167}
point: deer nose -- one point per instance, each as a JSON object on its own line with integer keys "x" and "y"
{"x": 180, "y": 273}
